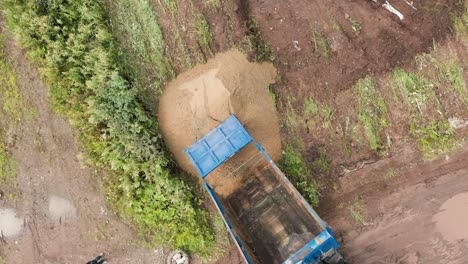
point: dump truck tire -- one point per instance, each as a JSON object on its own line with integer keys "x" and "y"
{"x": 333, "y": 257}
{"x": 178, "y": 257}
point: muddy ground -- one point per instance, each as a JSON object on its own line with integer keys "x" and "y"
{"x": 404, "y": 215}
{"x": 398, "y": 197}
{"x": 362, "y": 38}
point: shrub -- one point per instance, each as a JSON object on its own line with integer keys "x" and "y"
{"x": 82, "y": 63}
{"x": 296, "y": 170}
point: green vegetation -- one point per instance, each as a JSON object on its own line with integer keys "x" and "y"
{"x": 203, "y": 32}
{"x": 356, "y": 210}
{"x": 321, "y": 164}
{"x": 356, "y": 25}
{"x": 11, "y": 103}
{"x": 291, "y": 120}
{"x": 415, "y": 89}
{"x": 327, "y": 113}
{"x": 294, "y": 166}
{"x": 335, "y": 25}
{"x": 372, "y": 112}
{"x": 434, "y": 138}
{"x": 320, "y": 43}
{"x": 320, "y": 113}
{"x": 7, "y": 173}
{"x": 431, "y": 131}
{"x": 91, "y": 85}
{"x": 256, "y": 44}
{"x": 11, "y": 112}
{"x": 451, "y": 71}
{"x": 272, "y": 94}
{"x": 215, "y": 4}
{"x": 392, "y": 173}
{"x": 460, "y": 24}
{"x": 136, "y": 25}
{"x": 310, "y": 106}
{"x": 171, "y": 5}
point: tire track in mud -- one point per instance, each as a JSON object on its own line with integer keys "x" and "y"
{"x": 399, "y": 212}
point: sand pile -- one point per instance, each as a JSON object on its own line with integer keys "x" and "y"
{"x": 198, "y": 100}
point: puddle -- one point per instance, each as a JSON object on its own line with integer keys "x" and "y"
{"x": 452, "y": 219}
{"x": 61, "y": 210}
{"x": 10, "y": 224}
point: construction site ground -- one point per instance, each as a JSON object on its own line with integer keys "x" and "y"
{"x": 396, "y": 207}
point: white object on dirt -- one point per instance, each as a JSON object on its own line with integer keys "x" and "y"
{"x": 296, "y": 45}
{"x": 410, "y": 4}
{"x": 457, "y": 123}
{"x": 392, "y": 9}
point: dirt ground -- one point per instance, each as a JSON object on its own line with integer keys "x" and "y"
{"x": 397, "y": 212}
{"x": 390, "y": 211}
{"x": 403, "y": 215}
{"x": 59, "y": 204}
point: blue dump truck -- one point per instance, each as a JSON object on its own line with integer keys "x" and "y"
{"x": 266, "y": 216}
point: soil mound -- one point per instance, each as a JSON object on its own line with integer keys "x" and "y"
{"x": 198, "y": 100}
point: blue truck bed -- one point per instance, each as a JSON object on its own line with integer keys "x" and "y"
{"x": 266, "y": 216}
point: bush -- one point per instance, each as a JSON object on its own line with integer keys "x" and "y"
{"x": 372, "y": 112}
{"x": 434, "y": 138}
{"x": 82, "y": 63}
{"x": 295, "y": 169}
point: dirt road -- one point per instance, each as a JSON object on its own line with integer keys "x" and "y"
{"x": 410, "y": 216}
{"x": 59, "y": 205}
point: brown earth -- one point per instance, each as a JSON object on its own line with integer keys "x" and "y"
{"x": 399, "y": 211}
{"x": 198, "y": 100}
{"x": 403, "y": 214}
{"x": 383, "y": 43}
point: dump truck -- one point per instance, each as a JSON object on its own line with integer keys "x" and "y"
{"x": 267, "y": 218}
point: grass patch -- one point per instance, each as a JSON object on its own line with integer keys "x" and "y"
{"x": 372, "y": 112}
{"x": 321, "y": 164}
{"x": 460, "y": 24}
{"x": 310, "y": 106}
{"x": 327, "y": 113}
{"x": 215, "y": 4}
{"x": 272, "y": 94}
{"x": 416, "y": 90}
{"x": 11, "y": 103}
{"x": 291, "y": 120}
{"x": 434, "y": 138}
{"x": 171, "y": 5}
{"x": 7, "y": 164}
{"x": 321, "y": 113}
{"x": 432, "y": 133}
{"x": 295, "y": 168}
{"x": 203, "y": 32}
{"x": 135, "y": 23}
{"x": 256, "y": 44}
{"x": 99, "y": 95}
{"x": 451, "y": 71}
{"x": 320, "y": 43}
{"x": 356, "y": 210}
{"x": 392, "y": 173}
